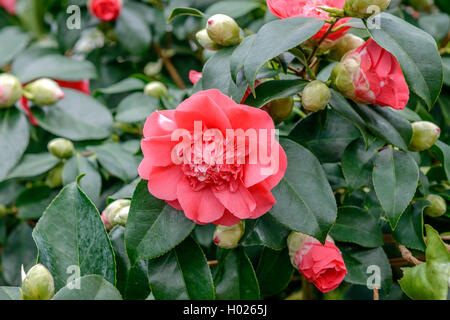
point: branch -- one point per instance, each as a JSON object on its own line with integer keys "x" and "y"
{"x": 213, "y": 263}
{"x": 407, "y": 255}
{"x": 169, "y": 66}
{"x": 376, "y": 295}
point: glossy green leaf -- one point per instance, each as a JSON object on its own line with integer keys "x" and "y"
{"x": 270, "y": 90}
{"x": 128, "y": 84}
{"x": 443, "y": 151}
{"x": 80, "y": 239}
{"x": 33, "y": 164}
{"x": 10, "y": 293}
{"x": 357, "y": 225}
{"x": 395, "y": 178}
{"x": 233, "y": 8}
{"x": 268, "y": 42}
{"x": 176, "y": 12}
{"x": 424, "y": 79}
{"x": 13, "y": 41}
{"x": 91, "y": 287}
{"x": 183, "y": 273}
{"x": 153, "y": 226}
{"x": 136, "y": 108}
{"x": 305, "y": 201}
{"x": 409, "y": 231}
{"x": 32, "y": 202}
{"x": 436, "y": 24}
{"x": 239, "y": 54}
{"x": 265, "y": 231}
{"x": 14, "y": 137}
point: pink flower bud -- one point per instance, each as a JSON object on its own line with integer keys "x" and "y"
{"x": 9, "y": 5}
{"x": 228, "y": 237}
{"x": 43, "y": 92}
{"x": 105, "y": 10}
{"x": 10, "y": 90}
{"x": 320, "y": 264}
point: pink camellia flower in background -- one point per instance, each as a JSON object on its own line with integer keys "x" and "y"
{"x": 212, "y": 185}
{"x": 370, "y": 74}
{"x": 9, "y": 6}
{"x": 320, "y": 264}
{"x": 194, "y": 76}
{"x": 105, "y": 10}
{"x": 310, "y": 8}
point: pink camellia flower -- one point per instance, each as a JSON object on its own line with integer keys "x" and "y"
{"x": 309, "y": 8}
{"x": 105, "y": 10}
{"x": 9, "y": 5}
{"x": 320, "y": 264}
{"x": 218, "y": 181}
{"x": 370, "y": 74}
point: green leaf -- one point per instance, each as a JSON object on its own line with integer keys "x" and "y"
{"x": 118, "y": 161}
{"x": 357, "y": 225}
{"x": 13, "y": 41}
{"x": 239, "y": 54}
{"x": 443, "y": 152}
{"x": 153, "y": 226}
{"x": 79, "y": 238}
{"x": 446, "y": 67}
{"x": 269, "y": 43}
{"x": 91, "y": 183}
{"x": 436, "y": 24}
{"x": 395, "y": 177}
{"x": 176, "y": 12}
{"x": 31, "y": 15}
{"x": 429, "y": 280}
{"x": 235, "y": 278}
{"x": 183, "y": 273}
{"x": 10, "y": 293}
{"x": 128, "y": 84}
{"x": 424, "y": 79}
{"x": 274, "y": 271}
{"x": 32, "y": 202}
{"x": 305, "y": 201}
{"x": 33, "y": 164}
{"x": 54, "y": 66}
{"x": 20, "y": 250}
{"x": 357, "y": 163}
{"x": 265, "y": 232}
{"x": 14, "y": 137}
{"x": 409, "y": 231}
{"x": 274, "y": 89}
{"x": 126, "y": 192}
{"x": 76, "y": 117}
{"x": 136, "y": 108}
{"x": 234, "y": 9}
{"x": 91, "y": 287}
{"x": 358, "y": 260}
{"x": 327, "y": 141}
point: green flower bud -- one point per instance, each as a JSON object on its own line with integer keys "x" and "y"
{"x": 38, "y": 284}
{"x": 55, "y": 176}
{"x": 153, "y": 68}
{"x": 228, "y": 237}
{"x": 205, "y": 41}
{"x": 344, "y": 45}
{"x": 315, "y": 96}
{"x": 279, "y": 109}
{"x": 364, "y": 8}
{"x": 438, "y": 206}
{"x": 116, "y": 213}
{"x": 155, "y": 89}
{"x": 61, "y": 148}
{"x": 43, "y": 92}
{"x": 223, "y": 30}
{"x": 3, "y": 211}
{"x": 424, "y": 135}
{"x": 10, "y": 90}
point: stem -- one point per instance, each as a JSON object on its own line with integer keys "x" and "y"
{"x": 213, "y": 263}
{"x": 169, "y": 66}
{"x": 407, "y": 255}
{"x": 376, "y": 295}
{"x": 313, "y": 53}
{"x": 307, "y": 290}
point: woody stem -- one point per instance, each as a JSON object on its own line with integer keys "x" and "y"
{"x": 313, "y": 53}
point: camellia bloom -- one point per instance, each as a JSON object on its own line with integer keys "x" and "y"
{"x": 9, "y": 5}
{"x": 370, "y": 74}
{"x": 212, "y": 184}
{"x": 310, "y": 8}
{"x": 194, "y": 76}
{"x": 105, "y": 10}
{"x": 320, "y": 264}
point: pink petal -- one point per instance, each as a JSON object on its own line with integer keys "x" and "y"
{"x": 240, "y": 202}
{"x": 163, "y": 181}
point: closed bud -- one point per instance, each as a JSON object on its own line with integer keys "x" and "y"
{"x": 223, "y": 30}
{"x": 61, "y": 148}
{"x": 364, "y": 8}
{"x": 153, "y": 68}
{"x": 116, "y": 213}
{"x": 38, "y": 284}
{"x": 344, "y": 45}
{"x": 155, "y": 89}
{"x": 424, "y": 135}
{"x": 43, "y": 92}
{"x": 10, "y": 90}
{"x": 55, "y": 176}
{"x": 315, "y": 96}
{"x": 279, "y": 109}
{"x": 438, "y": 206}
{"x": 228, "y": 237}
{"x": 205, "y": 41}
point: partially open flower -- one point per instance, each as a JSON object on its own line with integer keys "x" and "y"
{"x": 424, "y": 135}
{"x": 345, "y": 44}
{"x": 43, "y": 92}
{"x": 223, "y": 30}
{"x": 228, "y": 237}
{"x": 38, "y": 284}
{"x": 10, "y": 90}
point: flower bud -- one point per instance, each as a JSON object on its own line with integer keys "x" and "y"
{"x": 153, "y": 68}
{"x": 279, "y": 109}
{"x": 438, "y": 206}
{"x": 228, "y": 237}
{"x": 55, "y": 176}
{"x": 424, "y": 135}
{"x": 364, "y": 8}
{"x": 343, "y": 45}
{"x": 155, "y": 89}
{"x": 61, "y": 148}
{"x": 43, "y": 92}
{"x": 117, "y": 213}
{"x": 10, "y": 90}
{"x": 38, "y": 284}
{"x": 108, "y": 225}
{"x": 205, "y": 41}
{"x": 105, "y": 10}
{"x": 315, "y": 96}
{"x": 223, "y": 30}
